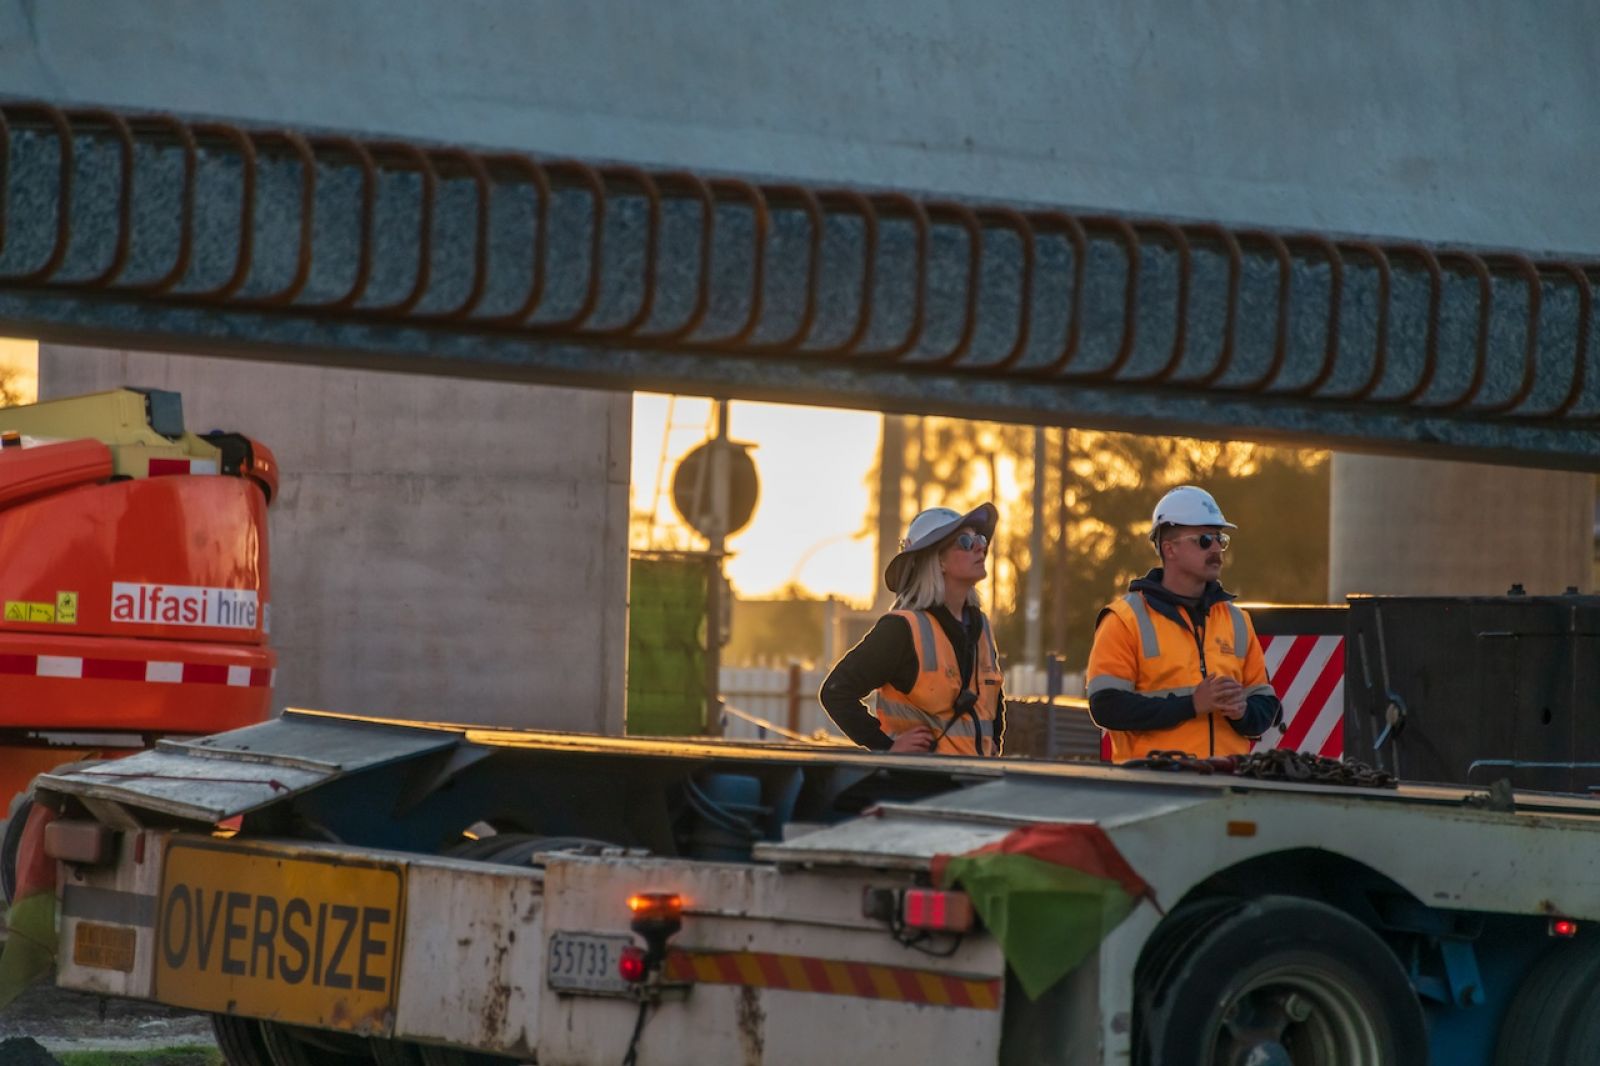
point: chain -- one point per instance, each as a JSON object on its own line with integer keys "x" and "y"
{"x": 1281, "y": 764}
{"x": 1276, "y": 764}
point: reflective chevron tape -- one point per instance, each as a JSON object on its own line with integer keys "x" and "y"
{"x": 801, "y": 973}
{"x": 1307, "y": 673}
{"x": 155, "y": 671}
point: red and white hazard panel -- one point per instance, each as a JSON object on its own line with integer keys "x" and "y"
{"x": 1307, "y": 672}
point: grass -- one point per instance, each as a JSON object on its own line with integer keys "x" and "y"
{"x": 167, "y": 1056}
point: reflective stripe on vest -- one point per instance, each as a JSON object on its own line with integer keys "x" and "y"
{"x": 932, "y": 699}
{"x": 1241, "y": 635}
{"x": 1147, "y": 627}
{"x": 1170, "y": 665}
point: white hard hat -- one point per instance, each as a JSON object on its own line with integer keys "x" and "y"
{"x": 1187, "y": 505}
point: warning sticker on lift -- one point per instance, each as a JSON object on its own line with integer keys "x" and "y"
{"x": 62, "y": 612}
{"x": 280, "y": 933}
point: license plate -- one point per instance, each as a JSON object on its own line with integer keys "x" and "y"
{"x": 587, "y": 963}
{"x": 279, "y": 932}
{"x": 103, "y": 947}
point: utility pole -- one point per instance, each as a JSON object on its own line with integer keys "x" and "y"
{"x": 1063, "y": 523}
{"x": 717, "y": 541}
{"x": 891, "y": 476}
{"x": 1033, "y": 604}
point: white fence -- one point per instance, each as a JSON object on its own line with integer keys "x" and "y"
{"x": 773, "y": 703}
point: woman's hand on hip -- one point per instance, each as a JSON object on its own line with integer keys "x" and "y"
{"x": 917, "y": 739}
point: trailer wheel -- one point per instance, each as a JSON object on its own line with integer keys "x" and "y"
{"x": 1280, "y": 981}
{"x": 517, "y": 849}
{"x": 289, "y": 1045}
{"x": 239, "y": 1040}
{"x": 1556, "y": 1013}
{"x": 11, "y": 842}
{"x": 395, "y": 1053}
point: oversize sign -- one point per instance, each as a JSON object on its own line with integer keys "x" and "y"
{"x": 279, "y": 933}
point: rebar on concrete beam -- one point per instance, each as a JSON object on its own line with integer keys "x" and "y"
{"x": 155, "y": 232}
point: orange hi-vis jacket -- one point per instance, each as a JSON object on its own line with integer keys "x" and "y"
{"x": 1140, "y": 649}
{"x": 932, "y": 700}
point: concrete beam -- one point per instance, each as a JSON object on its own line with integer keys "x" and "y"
{"x": 195, "y": 236}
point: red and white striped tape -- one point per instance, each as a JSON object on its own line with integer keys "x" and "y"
{"x": 160, "y": 672}
{"x": 1307, "y": 672}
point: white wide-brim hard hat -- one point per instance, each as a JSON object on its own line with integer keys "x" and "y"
{"x": 930, "y": 529}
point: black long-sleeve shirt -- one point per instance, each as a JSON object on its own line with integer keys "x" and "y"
{"x": 888, "y": 656}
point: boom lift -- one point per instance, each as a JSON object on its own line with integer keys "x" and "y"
{"x": 134, "y": 583}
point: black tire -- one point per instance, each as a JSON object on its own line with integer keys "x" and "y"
{"x": 1282, "y": 976}
{"x": 1585, "y": 1029}
{"x": 1555, "y": 1016}
{"x": 518, "y": 849}
{"x": 289, "y": 1045}
{"x": 1173, "y": 939}
{"x": 395, "y": 1053}
{"x": 10, "y": 843}
{"x": 240, "y": 1041}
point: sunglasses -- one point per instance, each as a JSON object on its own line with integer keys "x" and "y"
{"x": 1206, "y": 540}
{"x": 969, "y": 541}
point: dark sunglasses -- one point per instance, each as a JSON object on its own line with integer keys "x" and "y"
{"x": 1206, "y": 540}
{"x": 969, "y": 541}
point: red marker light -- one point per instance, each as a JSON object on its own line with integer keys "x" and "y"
{"x": 632, "y": 966}
{"x": 928, "y": 908}
{"x": 1565, "y": 928}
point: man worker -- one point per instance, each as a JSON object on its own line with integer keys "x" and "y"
{"x": 1176, "y": 666}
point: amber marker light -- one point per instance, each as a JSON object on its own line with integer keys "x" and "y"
{"x": 656, "y": 906}
{"x": 656, "y": 917}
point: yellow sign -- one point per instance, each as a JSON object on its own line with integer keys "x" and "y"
{"x": 63, "y": 612}
{"x": 280, "y": 932}
{"x": 104, "y": 947}
{"x": 20, "y": 611}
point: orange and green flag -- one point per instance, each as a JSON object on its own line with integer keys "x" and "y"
{"x": 30, "y": 946}
{"x": 1048, "y": 893}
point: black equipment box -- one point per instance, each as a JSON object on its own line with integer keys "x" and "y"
{"x": 1468, "y": 690}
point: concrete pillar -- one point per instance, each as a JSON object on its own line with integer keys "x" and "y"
{"x": 441, "y": 549}
{"x": 1419, "y": 527}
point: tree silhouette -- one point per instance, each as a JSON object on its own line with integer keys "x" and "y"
{"x": 1097, "y": 515}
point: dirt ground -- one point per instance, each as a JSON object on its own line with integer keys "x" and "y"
{"x": 61, "y": 1020}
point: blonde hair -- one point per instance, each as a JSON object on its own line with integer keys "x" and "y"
{"x": 924, "y": 586}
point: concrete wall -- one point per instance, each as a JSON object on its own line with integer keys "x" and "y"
{"x": 1405, "y": 526}
{"x": 448, "y": 550}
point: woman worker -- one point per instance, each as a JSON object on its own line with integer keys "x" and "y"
{"x": 931, "y": 659}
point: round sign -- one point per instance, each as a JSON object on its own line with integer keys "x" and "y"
{"x": 691, "y": 488}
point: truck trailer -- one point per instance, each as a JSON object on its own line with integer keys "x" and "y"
{"x": 338, "y": 889}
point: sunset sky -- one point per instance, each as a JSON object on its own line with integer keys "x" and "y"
{"x": 23, "y": 356}
{"x": 814, "y": 465}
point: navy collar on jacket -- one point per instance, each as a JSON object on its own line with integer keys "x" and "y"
{"x": 1165, "y": 602}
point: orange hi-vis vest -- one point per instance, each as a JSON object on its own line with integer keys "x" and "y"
{"x": 1137, "y": 649}
{"x": 932, "y": 700}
